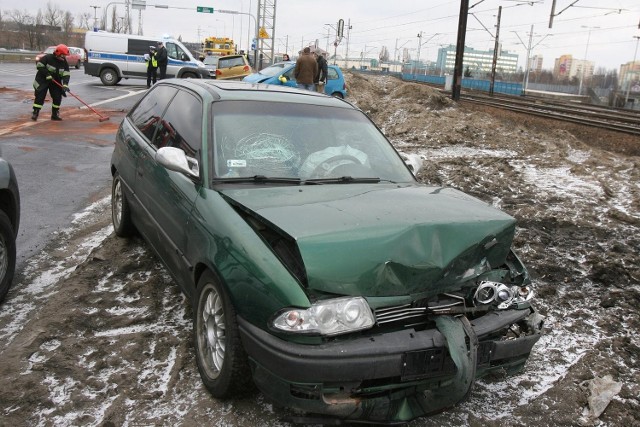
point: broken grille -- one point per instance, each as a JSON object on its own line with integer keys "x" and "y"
{"x": 416, "y": 313}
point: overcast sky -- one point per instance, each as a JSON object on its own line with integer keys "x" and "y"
{"x": 596, "y": 30}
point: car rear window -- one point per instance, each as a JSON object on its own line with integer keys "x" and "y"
{"x": 227, "y": 62}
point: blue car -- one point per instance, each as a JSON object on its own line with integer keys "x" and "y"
{"x": 281, "y": 73}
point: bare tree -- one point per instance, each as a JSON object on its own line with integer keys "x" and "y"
{"x": 114, "y": 21}
{"x": 41, "y": 36}
{"x": 384, "y": 54}
{"x": 85, "y": 20}
{"x": 53, "y": 15}
{"x": 67, "y": 24}
{"x": 26, "y": 26}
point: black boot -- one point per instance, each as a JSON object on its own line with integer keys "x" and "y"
{"x": 55, "y": 114}
{"x": 34, "y": 115}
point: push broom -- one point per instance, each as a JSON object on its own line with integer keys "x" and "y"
{"x": 101, "y": 119}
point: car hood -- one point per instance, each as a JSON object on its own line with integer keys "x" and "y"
{"x": 383, "y": 240}
{"x": 256, "y": 78}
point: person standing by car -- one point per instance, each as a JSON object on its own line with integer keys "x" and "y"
{"x": 52, "y": 66}
{"x": 305, "y": 70}
{"x": 321, "y": 76}
{"x": 152, "y": 66}
{"x": 285, "y": 57}
{"x": 163, "y": 60}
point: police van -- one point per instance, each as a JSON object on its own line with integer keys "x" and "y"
{"x": 114, "y": 56}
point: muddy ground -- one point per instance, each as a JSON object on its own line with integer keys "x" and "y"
{"x": 95, "y": 333}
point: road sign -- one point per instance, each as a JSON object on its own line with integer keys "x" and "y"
{"x": 204, "y": 9}
{"x": 262, "y": 33}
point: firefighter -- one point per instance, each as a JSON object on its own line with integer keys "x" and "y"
{"x": 52, "y": 66}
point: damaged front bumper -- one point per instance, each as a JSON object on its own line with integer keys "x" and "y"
{"x": 391, "y": 377}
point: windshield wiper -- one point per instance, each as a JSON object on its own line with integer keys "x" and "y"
{"x": 342, "y": 180}
{"x": 258, "y": 179}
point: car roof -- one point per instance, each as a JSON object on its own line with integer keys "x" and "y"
{"x": 224, "y": 90}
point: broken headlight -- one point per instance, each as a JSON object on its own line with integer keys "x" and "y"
{"x": 328, "y": 317}
{"x": 501, "y": 295}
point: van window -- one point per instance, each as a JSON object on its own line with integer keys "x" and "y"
{"x": 174, "y": 51}
{"x": 139, "y": 47}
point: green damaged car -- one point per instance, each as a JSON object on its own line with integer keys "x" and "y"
{"x": 319, "y": 269}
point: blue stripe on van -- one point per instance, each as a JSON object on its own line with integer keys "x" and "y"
{"x": 105, "y": 56}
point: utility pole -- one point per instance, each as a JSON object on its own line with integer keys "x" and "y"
{"x": 495, "y": 53}
{"x": 395, "y": 54}
{"x": 526, "y": 72}
{"x": 346, "y": 56}
{"x": 584, "y": 61}
{"x": 462, "y": 29}
{"x": 418, "y": 59}
{"x": 529, "y": 47}
{"x": 328, "y": 35}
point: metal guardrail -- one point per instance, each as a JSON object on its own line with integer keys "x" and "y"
{"x": 17, "y": 56}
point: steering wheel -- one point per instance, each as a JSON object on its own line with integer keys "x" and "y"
{"x": 325, "y": 167}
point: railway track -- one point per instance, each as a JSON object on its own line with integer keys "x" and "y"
{"x": 588, "y": 115}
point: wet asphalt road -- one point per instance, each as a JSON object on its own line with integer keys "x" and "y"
{"x": 61, "y": 166}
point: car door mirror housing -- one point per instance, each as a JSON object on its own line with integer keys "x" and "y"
{"x": 176, "y": 160}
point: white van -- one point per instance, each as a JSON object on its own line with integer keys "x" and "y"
{"x": 113, "y": 56}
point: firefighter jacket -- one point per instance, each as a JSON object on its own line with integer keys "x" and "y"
{"x": 51, "y": 67}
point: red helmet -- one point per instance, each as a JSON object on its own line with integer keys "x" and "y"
{"x": 61, "y": 50}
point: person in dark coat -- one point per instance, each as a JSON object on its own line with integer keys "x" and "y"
{"x": 163, "y": 60}
{"x": 305, "y": 70}
{"x": 52, "y": 66}
{"x": 321, "y": 76}
{"x": 152, "y": 66}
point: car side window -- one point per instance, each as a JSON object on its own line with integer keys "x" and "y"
{"x": 146, "y": 115}
{"x": 332, "y": 74}
{"x": 181, "y": 126}
{"x": 289, "y": 74}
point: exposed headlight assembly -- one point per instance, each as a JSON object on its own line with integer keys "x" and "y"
{"x": 502, "y": 295}
{"x": 327, "y": 317}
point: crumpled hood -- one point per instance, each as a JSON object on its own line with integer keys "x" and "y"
{"x": 383, "y": 240}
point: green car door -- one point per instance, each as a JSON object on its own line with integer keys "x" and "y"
{"x": 167, "y": 197}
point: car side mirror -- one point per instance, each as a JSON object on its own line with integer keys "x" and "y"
{"x": 176, "y": 160}
{"x": 184, "y": 57}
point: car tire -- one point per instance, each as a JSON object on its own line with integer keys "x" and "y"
{"x": 78, "y": 65}
{"x": 337, "y": 95}
{"x": 7, "y": 254}
{"x": 189, "y": 76}
{"x": 120, "y": 211}
{"x": 109, "y": 77}
{"x": 222, "y": 361}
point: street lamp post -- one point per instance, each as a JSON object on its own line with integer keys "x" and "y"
{"x": 633, "y": 66}
{"x": 584, "y": 62}
{"x": 95, "y": 17}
